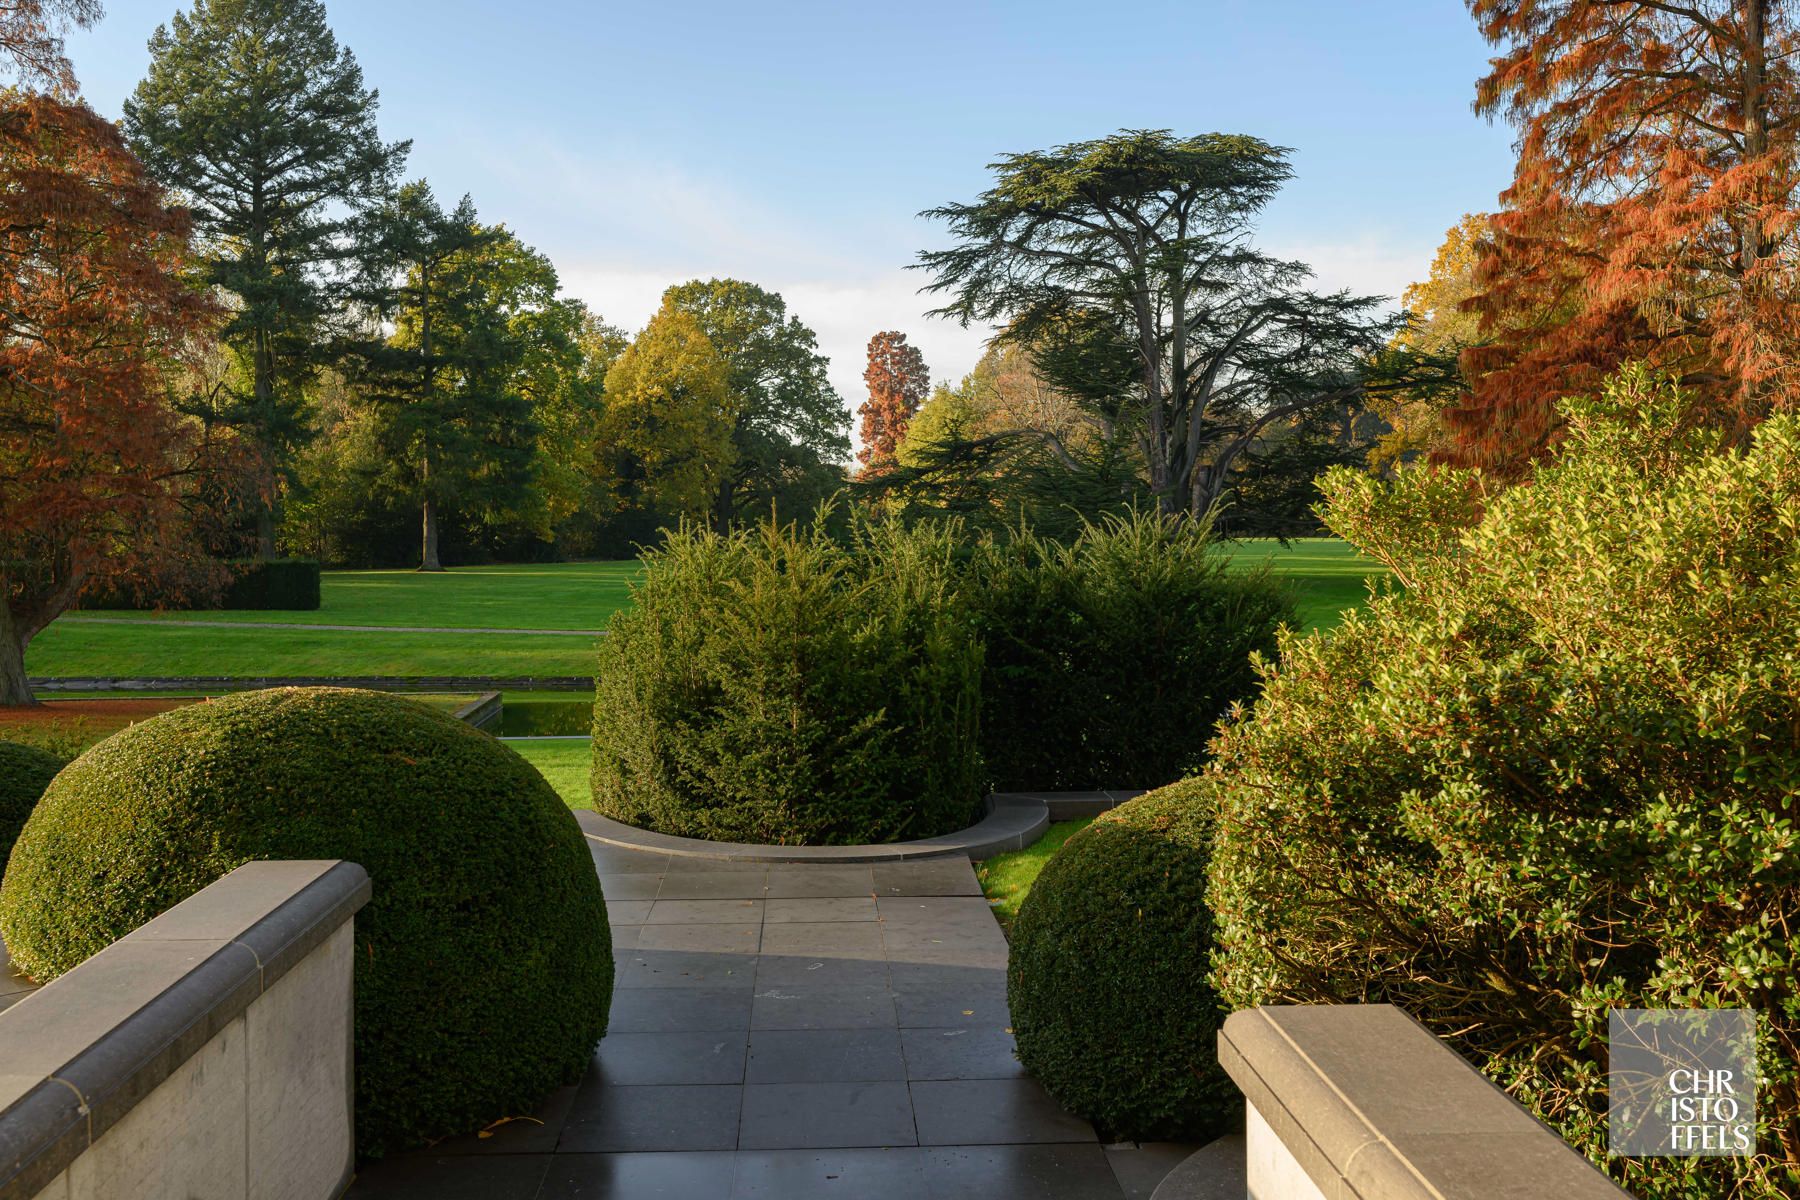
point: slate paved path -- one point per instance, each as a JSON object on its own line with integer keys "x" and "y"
{"x": 793, "y": 1031}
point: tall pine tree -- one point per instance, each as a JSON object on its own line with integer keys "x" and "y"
{"x": 255, "y": 115}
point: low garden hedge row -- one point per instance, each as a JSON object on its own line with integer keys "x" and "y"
{"x": 1111, "y": 656}
{"x": 249, "y": 585}
{"x": 484, "y": 965}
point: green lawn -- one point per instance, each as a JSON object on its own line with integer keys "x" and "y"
{"x": 524, "y": 596}
{"x": 1007, "y": 879}
{"x": 1327, "y": 576}
{"x": 554, "y": 596}
{"x": 564, "y": 763}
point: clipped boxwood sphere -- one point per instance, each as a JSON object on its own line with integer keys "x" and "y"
{"x": 484, "y": 962}
{"x": 25, "y": 771}
{"x": 1107, "y": 979}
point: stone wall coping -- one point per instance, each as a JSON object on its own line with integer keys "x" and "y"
{"x": 481, "y": 712}
{"x": 1374, "y": 1107}
{"x": 77, "y": 1054}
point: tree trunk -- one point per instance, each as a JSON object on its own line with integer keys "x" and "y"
{"x": 265, "y": 531}
{"x": 14, "y": 688}
{"x": 1756, "y": 127}
{"x": 428, "y": 561}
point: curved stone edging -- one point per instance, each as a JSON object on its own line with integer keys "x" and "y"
{"x": 1012, "y": 823}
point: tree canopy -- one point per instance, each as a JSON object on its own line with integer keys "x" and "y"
{"x": 669, "y": 415}
{"x": 1126, "y": 263}
{"x": 449, "y": 383}
{"x": 261, "y": 122}
{"x": 93, "y": 308}
{"x": 1652, "y": 213}
{"x": 31, "y": 40}
{"x": 898, "y": 382}
{"x": 791, "y": 430}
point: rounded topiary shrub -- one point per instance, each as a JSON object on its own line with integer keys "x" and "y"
{"x": 1553, "y": 776}
{"x": 483, "y": 964}
{"x": 1107, "y": 978}
{"x": 25, "y": 771}
{"x": 775, "y": 686}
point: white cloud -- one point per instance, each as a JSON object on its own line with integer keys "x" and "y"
{"x": 1369, "y": 264}
{"x": 646, "y": 224}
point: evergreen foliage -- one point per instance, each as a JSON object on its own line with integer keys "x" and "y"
{"x": 483, "y": 962}
{"x": 1552, "y": 776}
{"x": 1107, "y": 976}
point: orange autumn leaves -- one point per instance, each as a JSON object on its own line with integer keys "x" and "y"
{"x": 93, "y": 306}
{"x": 1652, "y": 215}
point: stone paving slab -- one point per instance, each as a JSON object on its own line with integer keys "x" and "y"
{"x": 792, "y": 1031}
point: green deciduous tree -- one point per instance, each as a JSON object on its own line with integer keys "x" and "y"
{"x": 1126, "y": 264}
{"x": 665, "y": 438}
{"x": 255, "y": 115}
{"x": 792, "y": 430}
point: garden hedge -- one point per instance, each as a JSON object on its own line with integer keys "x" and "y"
{"x": 1553, "y": 776}
{"x": 1110, "y": 658}
{"x": 251, "y": 585}
{"x": 1107, "y": 978}
{"x": 286, "y": 584}
{"x": 484, "y": 962}
{"x": 25, "y": 771}
{"x": 776, "y": 686}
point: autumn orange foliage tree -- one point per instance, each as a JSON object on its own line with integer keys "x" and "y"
{"x": 31, "y": 38}
{"x": 1652, "y": 213}
{"x": 93, "y": 305}
{"x": 898, "y": 383}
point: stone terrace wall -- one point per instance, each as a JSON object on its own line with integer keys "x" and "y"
{"x": 206, "y": 1055}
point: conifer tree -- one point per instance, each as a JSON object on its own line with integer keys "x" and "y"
{"x": 260, "y": 121}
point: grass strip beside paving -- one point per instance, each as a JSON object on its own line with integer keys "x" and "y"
{"x": 1007, "y": 878}
{"x": 563, "y": 762}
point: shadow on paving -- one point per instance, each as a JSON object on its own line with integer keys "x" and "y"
{"x": 793, "y": 1031}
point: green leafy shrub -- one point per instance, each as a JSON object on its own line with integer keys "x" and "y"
{"x": 1107, "y": 977}
{"x": 775, "y": 686}
{"x": 25, "y": 771}
{"x": 1555, "y": 775}
{"x": 1109, "y": 658}
{"x": 483, "y": 966}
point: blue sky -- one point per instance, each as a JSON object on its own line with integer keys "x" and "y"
{"x": 791, "y": 144}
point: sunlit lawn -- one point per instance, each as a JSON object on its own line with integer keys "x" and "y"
{"x": 1006, "y": 879}
{"x": 1327, "y": 577}
{"x": 556, "y": 596}
{"x": 563, "y": 762}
